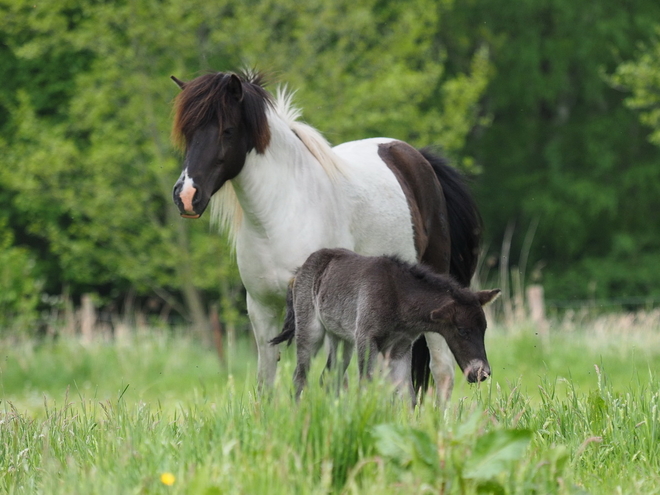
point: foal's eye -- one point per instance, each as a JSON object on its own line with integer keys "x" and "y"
{"x": 462, "y": 332}
{"x": 228, "y": 132}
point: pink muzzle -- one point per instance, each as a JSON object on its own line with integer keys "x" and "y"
{"x": 186, "y": 195}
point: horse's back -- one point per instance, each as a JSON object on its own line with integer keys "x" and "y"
{"x": 381, "y": 217}
{"x": 399, "y": 170}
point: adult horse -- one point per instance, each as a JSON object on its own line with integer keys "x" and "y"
{"x": 283, "y": 193}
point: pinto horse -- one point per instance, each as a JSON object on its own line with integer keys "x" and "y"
{"x": 283, "y": 193}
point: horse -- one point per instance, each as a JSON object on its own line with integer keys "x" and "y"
{"x": 282, "y": 192}
{"x": 381, "y": 304}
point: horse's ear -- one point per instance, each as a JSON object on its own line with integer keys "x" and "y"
{"x": 178, "y": 82}
{"x": 488, "y": 296}
{"x": 444, "y": 312}
{"x": 235, "y": 87}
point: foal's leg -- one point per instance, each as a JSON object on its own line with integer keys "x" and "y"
{"x": 264, "y": 321}
{"x": 442, "y": 367}
{"x": 309, "y": 339}
{"x": 367, "y": 353}
{"x": 400, "y": 375}
{"x": 346, "y": 355}
{"x": 332, "y": 357}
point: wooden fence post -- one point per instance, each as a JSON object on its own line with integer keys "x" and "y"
{"x": 87, "y": 318}
{"x": 536, "y": 303}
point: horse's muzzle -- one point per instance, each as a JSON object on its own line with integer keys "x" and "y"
{"x": 477, "y": 371}
{"x": 186, "y": 198}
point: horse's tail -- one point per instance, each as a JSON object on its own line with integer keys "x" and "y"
{"x": 465, "y": 226}
{"x": 289, "y": 328}
{"x": 465, "y": 229}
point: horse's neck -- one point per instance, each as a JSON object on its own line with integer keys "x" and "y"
{"x": 283, "y": 182}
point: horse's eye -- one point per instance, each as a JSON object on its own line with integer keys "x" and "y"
{"x": 462, "y": 332}
{"x": 228, "y": 132}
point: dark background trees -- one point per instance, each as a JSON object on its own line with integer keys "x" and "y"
{"x": 563, "y": 149}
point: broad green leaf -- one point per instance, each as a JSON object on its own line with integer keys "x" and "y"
{"x": 406, "y": 446}
{"x": 469, "y": 427}
{"x": 494, "y": 452}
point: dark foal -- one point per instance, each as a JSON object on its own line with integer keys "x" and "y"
{"x": 382, "y": 305}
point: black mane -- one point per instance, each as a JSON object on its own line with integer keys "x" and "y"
{"x": 208, "y": 99}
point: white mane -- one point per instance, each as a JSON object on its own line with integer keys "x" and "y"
{"x": 317, "y": 145}
{"x": 226, "y": 212}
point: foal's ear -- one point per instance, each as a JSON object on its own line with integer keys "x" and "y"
{"x": 235, "y": 87}
{"x": 488, "y": 296}
{"x": 178, "y": 82}
{"x": 444, "y": 312}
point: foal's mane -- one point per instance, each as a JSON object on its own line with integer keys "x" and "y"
{"x": 439, "y": 281}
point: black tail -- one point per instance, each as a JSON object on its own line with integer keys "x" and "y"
{"x": 289, "y": 329}
{"x": 465, "y": 228}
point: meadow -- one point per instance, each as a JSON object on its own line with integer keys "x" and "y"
{"x": 571, "y": 411}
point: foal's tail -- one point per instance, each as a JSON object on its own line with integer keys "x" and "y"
{"x": 289, "y": 330}
{"x": 465, "y": 226}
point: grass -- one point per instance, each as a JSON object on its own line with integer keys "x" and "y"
{"x": 576, "y": 412}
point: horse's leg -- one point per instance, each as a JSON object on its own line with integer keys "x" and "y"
{"x": 264, "y": 325}
{"x": 367, "y": 353}
{"x": 399, "y": 373}
{"x": 332, "y": 357}
{"x": 309, "y": 339}
{"x": 347, "y": 354}
{"x": 442, "y": 367}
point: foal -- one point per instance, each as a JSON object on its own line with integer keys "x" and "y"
{"x": 381, "y": 304}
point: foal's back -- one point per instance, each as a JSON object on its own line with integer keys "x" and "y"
{"x": 330, "y": 283}
{"x": 351, "y": 291}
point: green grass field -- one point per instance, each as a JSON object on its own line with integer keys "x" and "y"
{"x": 576, "y": 412}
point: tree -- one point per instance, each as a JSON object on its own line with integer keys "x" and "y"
{"x": 87, "y": 164}
{"x": 91, "y": 180}
{"x": 562, "y": 149}
{"x": 366, "y": 69}
{"x": 642, "y": 77}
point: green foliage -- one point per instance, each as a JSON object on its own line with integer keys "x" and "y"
{"x": 90, "y": 181}
{"x": 414, "y": 452}
{"x": 87, "y": 165}
{"x": 19, "y": 285}
{"x": 518, "y": 91}
{"x": 562, "y": 148}
{"x": 642, "y": 77}
{"x": 409, "y": 449}
{"x": 495, "y": 451}
{"x": 367, "y": 69}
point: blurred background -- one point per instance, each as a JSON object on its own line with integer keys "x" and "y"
{"x": 552, "y": 107}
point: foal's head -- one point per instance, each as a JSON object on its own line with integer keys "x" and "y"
{"x": 219, "y": 119}
{"x": 461, "y": 321}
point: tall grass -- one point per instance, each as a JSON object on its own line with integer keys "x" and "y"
{"x": 573, "y": 412}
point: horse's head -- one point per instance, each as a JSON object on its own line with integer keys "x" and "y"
{"x": 219, "y": 119}
{"x": 461, "y": 321}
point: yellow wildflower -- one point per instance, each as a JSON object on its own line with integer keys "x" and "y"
{"x": 167, "y": 479}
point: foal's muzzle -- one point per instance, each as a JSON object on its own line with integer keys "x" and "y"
{"x": 477, "y": 371}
